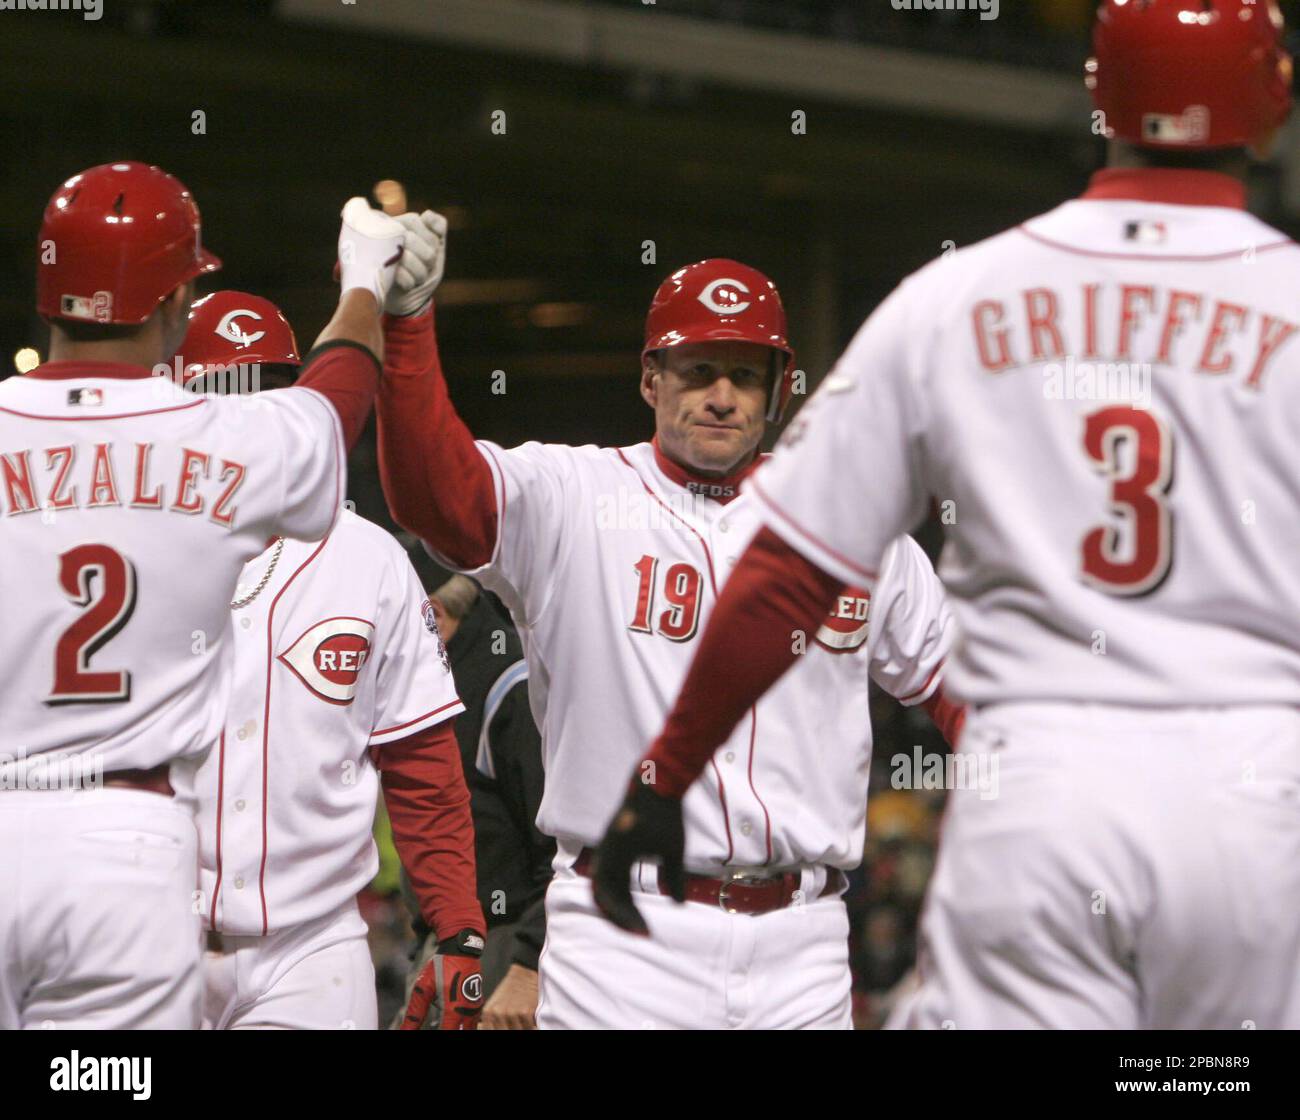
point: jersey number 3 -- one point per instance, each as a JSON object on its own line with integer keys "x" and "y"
{"x": 1133, "y": 450}
{"x": 681, "y": 592}
{"x": 101, "y": 580}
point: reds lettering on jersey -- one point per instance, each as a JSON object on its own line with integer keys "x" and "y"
{"x": 127, "y": 510}
{"x": 610, "y": 567}
{"x": 1118, "y": 380}
{"x": 335, "y": 655}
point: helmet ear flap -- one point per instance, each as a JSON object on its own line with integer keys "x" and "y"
{"x": 777, "y": 396}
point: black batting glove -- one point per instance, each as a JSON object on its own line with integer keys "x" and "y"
{"x": 646, "y": 826}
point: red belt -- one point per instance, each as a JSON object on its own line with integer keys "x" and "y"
{"x": 156, "y": 780}
{"x": 740, "y": 892}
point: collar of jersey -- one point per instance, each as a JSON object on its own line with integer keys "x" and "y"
{"x": 685, "y": 478}
{"x": 64, "y": 371}
{"x": 1167, "y": 184}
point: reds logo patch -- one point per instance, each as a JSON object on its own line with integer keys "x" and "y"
{"x": 845, "y": 628}
{"x": 329, "y": 656}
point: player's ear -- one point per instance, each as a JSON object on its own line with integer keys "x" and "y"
{"x": 650, "y": 380}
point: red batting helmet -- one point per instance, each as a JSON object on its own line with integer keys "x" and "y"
{"x": 115, "y": 241}
{"x": 1190, "y": 73}
{"x": 235, "y": 328}
{"x": 722, "y": 300}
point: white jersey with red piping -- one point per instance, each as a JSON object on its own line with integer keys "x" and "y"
{"x": 1105, "y": 404}
{"x": 611, "y": 567}
{"x": 337, "y": 654}
{"x": 128, "y": 508}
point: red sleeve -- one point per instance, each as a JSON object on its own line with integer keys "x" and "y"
{"x": 347, "y": 375}
{"x": 948, "y": 717}
{"x": 773, "y": 594}
{"x": 437, "y": 484}
{"x": 428, "y": 805}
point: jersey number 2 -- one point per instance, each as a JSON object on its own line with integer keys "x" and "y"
{"x": 102, "y": 580}
{"x": 681, "y": 592}
{"x": 1132, "y": 448}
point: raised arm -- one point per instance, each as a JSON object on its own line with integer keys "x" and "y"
{"x": 437, "y": 484}
{"x": 370, "y": 246}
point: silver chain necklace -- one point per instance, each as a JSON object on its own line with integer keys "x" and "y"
{"x": 266, "y": 578}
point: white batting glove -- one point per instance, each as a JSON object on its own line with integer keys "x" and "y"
{"x": 370, "y": 245}
{"x": 419, "y": 272}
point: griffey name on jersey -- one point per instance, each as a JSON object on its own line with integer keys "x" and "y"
{"x": 1103, "y": 322}
{"x": 165, "y": 478}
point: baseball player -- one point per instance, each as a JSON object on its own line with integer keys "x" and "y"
{"x": 129, "y": 509}
{"x": 1108, "y": 396}
{"x": 610, "y": 561}
{"x": 340, "y": 683}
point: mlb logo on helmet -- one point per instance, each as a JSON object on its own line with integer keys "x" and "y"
{"x": 97, "y": 308}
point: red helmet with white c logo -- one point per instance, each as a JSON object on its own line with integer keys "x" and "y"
{"x": 230, "y": 328}
{"x": 115, "y": 241}
{"x": 721, "y": 300}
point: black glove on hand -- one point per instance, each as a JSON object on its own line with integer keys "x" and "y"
{"x": 646, "y": 826}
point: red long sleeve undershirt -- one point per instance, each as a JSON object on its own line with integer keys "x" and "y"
{"x": 772, "y": 595}
{"x": 428, "y": 806}
{"x": 437, "y": 484}
{"x": 347, "y": 375}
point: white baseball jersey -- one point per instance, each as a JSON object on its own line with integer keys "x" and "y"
{"x": 610, "y": 566}
{"x": 1106, "y": 403}
{"x": 128, "y": 508}
{"x": 338, "y": 653}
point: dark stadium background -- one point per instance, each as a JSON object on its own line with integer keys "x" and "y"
{"x": 923, "y": 128}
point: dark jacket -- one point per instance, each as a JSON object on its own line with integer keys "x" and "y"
{"x": 504, "y": 771}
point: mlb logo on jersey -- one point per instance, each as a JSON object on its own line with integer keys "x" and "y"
{"x": 86, "y": 396}
{"x": 328, "y": 657}
{"x": 845, "y": 628}
{"x": 1145, "y": 233}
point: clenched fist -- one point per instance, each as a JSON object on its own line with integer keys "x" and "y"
{"x": 370, "y": 246}
{"x": 424, "y": 255}
{"x": 513, "y": 1005}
